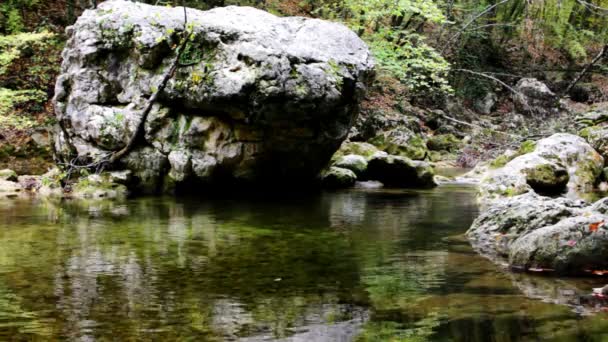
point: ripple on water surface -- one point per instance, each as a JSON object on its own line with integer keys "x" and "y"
{"x": 360, "y": 265}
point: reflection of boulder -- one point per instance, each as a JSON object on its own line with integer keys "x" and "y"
{"x": 572, "y": 293}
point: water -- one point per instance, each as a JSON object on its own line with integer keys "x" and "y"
{"x": 358, "y": 265}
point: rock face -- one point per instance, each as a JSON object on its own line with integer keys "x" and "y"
{"x": 255, "y": 98}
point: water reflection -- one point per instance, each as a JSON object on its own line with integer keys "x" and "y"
{"x": 365, "y": 265}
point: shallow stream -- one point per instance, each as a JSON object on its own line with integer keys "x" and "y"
{"x": 356, "y": 265}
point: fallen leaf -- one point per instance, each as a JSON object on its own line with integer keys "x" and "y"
{"x": 600, "y": 272}
{"x": 593, "y": 227}
{"x": 571, "y": 243}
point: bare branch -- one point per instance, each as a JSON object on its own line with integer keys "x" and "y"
{"x": 489, "y": 76}
{"x": 585, "y": 69}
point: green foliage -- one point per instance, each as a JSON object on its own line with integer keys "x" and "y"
{"x": 11, "y": 11}
{"x": 29, "y": 94}
{"x": 396, "y": 332}
{"x": 11, "y": 46}
{"x": 415, "y": 63}
{"x": 569, "y": 25}
{"x": 10, "y": 99}
{"x": 391, "y": 29}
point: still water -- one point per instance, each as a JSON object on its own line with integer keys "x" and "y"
{"x": 358, "y": 265}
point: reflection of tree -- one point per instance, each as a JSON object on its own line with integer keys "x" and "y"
{"x": 15, "y": 320}
{"x": 166, "y": 269}
{"x": 399, "y": 237}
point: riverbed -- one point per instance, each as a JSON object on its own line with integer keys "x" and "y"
{"x": 355, "y": 265}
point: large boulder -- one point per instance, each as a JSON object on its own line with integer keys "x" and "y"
{"x": 562, "y": 163}
{"x": 493, "y": 232}
{"x": 533, "y": 232}
{"x": 255, "y": 97}
{"x": 534, "y": 210}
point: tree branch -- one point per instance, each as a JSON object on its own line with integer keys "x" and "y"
{"x": 585, "y": 69}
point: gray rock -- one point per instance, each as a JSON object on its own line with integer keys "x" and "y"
{"x": 535, "y": 97}
{"x": 402, "y": 141}
{"x": 534, "y": 232}
{"x": 353, "y": 162}
{"x": 544, "y": 170}
{"x": 592, "y": 118}
{"x": 486, "y": 104}
{"x": 99, "y": 186}
{"x": 120, "y": 177}
{"x": 337, "y": 177}
{"x": 8, "y": 175}
{"x": 400, "y": 171}
{"x": 9, "y": 188}
{"x": 363, "y": 149}
{"x": 493, "y": 232}
{"x": 597, "y": 136}
{"x": 254, "y": 91}
{"x": 568, "y": 247}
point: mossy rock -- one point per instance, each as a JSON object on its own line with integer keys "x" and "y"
{"x": 99, "y": 186}
{"x": 413, "y": 147}
{"x": 443, "y": 142}
{"x": 526, "y": 147}
{"x": 363, "y": 149}
{"x": 8, "y": 175}
{"x": 399, "y": 171}
{"x": 353, "y": 162}
{"x": 337, "y": 177}
{"x": 547, "y": 178}
{"x": 597, "y": 137}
